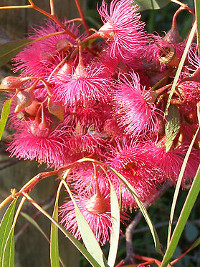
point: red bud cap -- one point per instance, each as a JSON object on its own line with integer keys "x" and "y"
{"x": 172, "y": 36}
{"x": 23, "y": 99}
{"x": 96, "y": 204}
{"x": 57, "y": 109}
{"x": 64, "y": 45}
{"x": 12, "y": 83}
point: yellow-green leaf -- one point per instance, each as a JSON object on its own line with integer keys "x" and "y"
{"x": 4, "y": 116}
{"x": 6, "y": 237}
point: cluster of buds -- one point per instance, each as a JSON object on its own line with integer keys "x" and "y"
{"x": 103, "y": 96}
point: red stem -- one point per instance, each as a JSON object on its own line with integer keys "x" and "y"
{"x": 82, "y": 17}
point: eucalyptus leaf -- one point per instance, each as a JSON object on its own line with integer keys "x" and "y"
{"x": 186, "y": 210}
{"x": 11, "y": 49}
{"x": 6, "y": 237}
{"x": 172, "y": 126}
{"x": 54, "y": 248}
{"x": 151, "y": 4}
{"x": 4, "y": 116}
{"x": 115, "y": 228}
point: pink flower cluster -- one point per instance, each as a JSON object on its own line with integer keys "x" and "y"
{"x": 103, "y": 97}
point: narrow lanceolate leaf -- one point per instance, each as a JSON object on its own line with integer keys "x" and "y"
{"x": 9, "y": 251}
{"x": 11, "y": 49}
{"x": 4, "y": 116}
{"x": 87, "y": 235}
{"x": 172, "y": 126}
{"x": 188, "y": 205}
{"x": 54, "y": 250}
{"x": 180, "y": 66}
{"x": 115, "y": 228}
{"x": 151, "y": 4}
{"x": 142, "y": 209}
{"x": 178, "y": 185}
{"x": 6, "y": 236}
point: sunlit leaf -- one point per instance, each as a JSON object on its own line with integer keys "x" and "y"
{"x": 172, "y": 126}
{"x": 4, "y": 116}
{"x": 142, "y": 209}
{"x": 9, "y": 251}
{"x": 180, "y": 66}
{"x": 115, "y": 229}
{"x": 182, "y": 220}
{"x": 178, "y": 185}
{"x": 76, "y": 243}
{"x": 151, "y": 4}
{"x": 54, "y": 250}
{"x": 11, "y": 49}
{"x": 6, "y": 237}
{"x": 87, "y": 235}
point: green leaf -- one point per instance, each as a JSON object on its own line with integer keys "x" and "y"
{"x": 151, "y": 4}
{"x": 172, "y": 126}
{"x": 11, "y": 49}
{"x": 180, "y": 66}
{"x": 4, "y": 115}
{"x": 54, "y": 250}
{"x": 6, "y": 236}
{"x": 142, "y": 209}
{"x": 9, "y": 251}
{"x": 87, "y": 235}
{"x": 178, "y": 185}
{"x": 188, "y": 205}
{"x": 115, "y": 228}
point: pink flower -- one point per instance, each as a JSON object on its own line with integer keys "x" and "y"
{"x": 122, "y": 27}
{"x": 84, "y": 84}
{"x": 41, "y": 57}
{"x": 95, "y": 207}
{"x": 33, "y": 143}
{"x": 133, "y": 107}
{"x": 135, "y": 163}
{"x": 171, "y": 162}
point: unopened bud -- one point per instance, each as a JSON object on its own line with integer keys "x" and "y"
{"x": 57, "y": 109}
{"x": 23, "y": 99}
{"x": 64, "y": 45}
{"x": 96, "y": 204}
{"x": 11, "y": 82}
{"x": 172, "y": 36}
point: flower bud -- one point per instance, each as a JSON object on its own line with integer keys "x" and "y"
{"x": 96, "y": 204}
{"x": 64, "y": 45}
{"x": 23, "y": 99}
{"x": 11, "y": 82}
{"x": 172, "y": 36}
{"x": 57, "y": 109}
